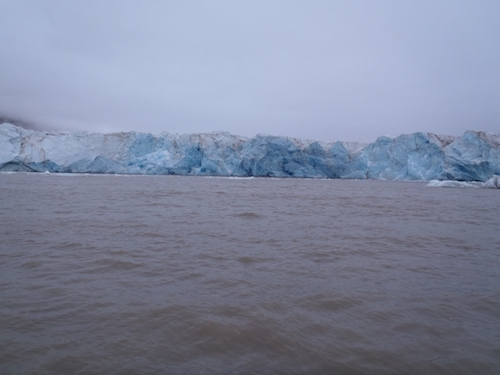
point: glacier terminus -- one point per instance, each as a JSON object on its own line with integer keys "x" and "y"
{"x": 474, "y": 156}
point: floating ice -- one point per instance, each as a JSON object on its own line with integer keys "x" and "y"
{"x": 475, "y": 156}
{"x": 493, "y": 182}
{"x": 452, "y": 184}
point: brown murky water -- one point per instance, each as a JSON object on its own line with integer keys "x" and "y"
{"x": 189, "y": 275}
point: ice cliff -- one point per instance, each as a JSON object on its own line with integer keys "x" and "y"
{"x": 475, "y": 156}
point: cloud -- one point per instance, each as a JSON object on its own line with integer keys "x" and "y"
{"x": 321, "y": 70}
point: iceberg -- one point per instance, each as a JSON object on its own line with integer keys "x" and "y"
{"x": 475, "y": 156}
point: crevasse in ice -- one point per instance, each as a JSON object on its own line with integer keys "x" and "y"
{"x": 475, "y": 156}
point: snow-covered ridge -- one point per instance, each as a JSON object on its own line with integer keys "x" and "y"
{"x": 475, "y": 156}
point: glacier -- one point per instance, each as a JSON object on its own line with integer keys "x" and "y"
{"x": 474, "y": 156}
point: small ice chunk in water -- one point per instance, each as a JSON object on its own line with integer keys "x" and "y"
{"x": 451, "y": 184}
{"x": 493, "y": 183}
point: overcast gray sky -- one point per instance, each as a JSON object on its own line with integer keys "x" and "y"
{"x": 325, "y": 70}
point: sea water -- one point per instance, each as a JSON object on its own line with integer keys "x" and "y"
{"x": 103, "y": 274}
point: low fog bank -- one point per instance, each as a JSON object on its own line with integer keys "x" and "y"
{"x": 26, "y": 124}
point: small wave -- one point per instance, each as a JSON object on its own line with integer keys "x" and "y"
{"x": 248, "y": 215}
{"x": 324, "y": 302}
{"x": 105, "y": 265}
{"x": 247, "y": 260}
{"x": 176, "y": 192}
{"x": 31, "y": 264}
